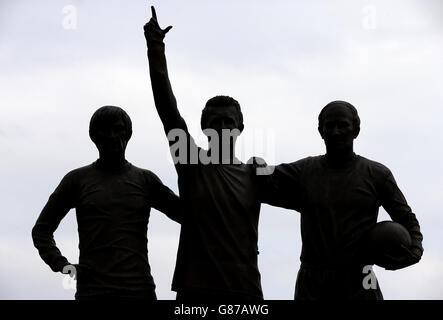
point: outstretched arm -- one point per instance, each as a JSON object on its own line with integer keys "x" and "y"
{"x": 165, "y": 200}
{"x": 164, "y": 99}
{"x": 279, "y": 186}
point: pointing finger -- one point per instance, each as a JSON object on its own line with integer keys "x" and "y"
{"x": 154, "y": 14}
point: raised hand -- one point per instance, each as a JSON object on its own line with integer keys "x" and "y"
{"x": 153, "y": 32}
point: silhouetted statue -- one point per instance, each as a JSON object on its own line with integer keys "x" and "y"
{"x": 113, "y": 199}
{"x": 217, "y": 254}
{"x": 338, "y": 196}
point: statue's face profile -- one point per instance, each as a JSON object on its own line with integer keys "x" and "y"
{"x": 111, "y": 138}
{"x": 338, "y": 130}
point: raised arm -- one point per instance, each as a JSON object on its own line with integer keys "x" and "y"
{"x": 58, "y": 205}
{"x": 164, "y": 99}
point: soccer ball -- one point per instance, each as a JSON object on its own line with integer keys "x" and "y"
{"x": 387, "y": 237}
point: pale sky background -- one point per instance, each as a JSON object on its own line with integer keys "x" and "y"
{"x": 282, "y": 60}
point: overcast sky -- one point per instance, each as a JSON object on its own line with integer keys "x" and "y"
{"x": 282, "y": 60}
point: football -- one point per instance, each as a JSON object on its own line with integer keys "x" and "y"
{"x": 387, "y": 237}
